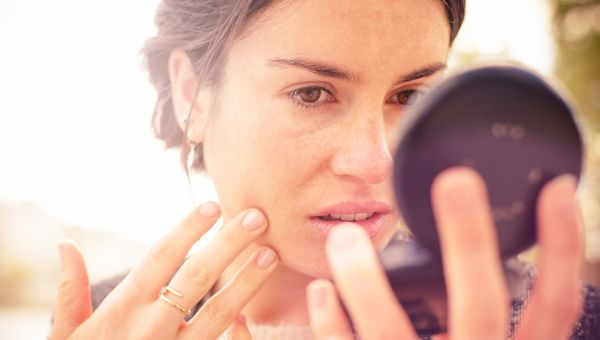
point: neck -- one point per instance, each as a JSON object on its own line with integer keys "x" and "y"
{"x": 281, "y": 300}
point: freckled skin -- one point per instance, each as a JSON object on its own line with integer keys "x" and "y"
{"x": 263, "y": 150}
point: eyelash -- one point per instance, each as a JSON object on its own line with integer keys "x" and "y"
{"x": 292, "y": 96}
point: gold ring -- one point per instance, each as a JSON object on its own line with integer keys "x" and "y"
{"x": 164, "y": 291}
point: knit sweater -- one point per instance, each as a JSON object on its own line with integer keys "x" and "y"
{"x": 277, "y": 332}
{"x": 586, "y": 328}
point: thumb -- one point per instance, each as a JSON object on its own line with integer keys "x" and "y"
{"x": 74, "y": 302}
{"x": 238, "y": 329}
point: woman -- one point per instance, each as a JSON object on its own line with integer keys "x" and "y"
{"x": 290, "y": 108}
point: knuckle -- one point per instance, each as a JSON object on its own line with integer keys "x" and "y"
{"x": 246, "y": 276}
{"x": 64, "y": 288}
{"x": 217, "y": 314}
{"x": 490, "y": 324}
{"x": 231, "y": 238}
{"x": 148, "y": 331}
{"x": 67, "y": 292}
{"x": 567, "y": 248}
{"x": 163, "y": 251}
{"x": 147, "y": 334}
{"x": 477, "y": 241}
{"x": 567, "y": 310}
{"x": 197, "y": 274}
{"x": 250, "y": 278}
{"x": 388, "y": 334}
{"x": 563, "y": 309}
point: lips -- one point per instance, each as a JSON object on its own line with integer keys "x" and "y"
{"x": 369, "y": 215}
{"x": 347, "y": 217}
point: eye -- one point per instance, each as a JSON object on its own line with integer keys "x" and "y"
{"x": 407, "y": 97}
{"x": 311, "y": 96}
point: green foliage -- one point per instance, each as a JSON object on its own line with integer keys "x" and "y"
{"x": 577, "y": 36}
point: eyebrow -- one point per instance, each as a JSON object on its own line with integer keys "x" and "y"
{"x": 315, "y": 67}
{"x": 333, "y": 72}
{"x": 426, "y": 71}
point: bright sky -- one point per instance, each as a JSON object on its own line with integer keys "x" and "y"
{"x": 519, "y": 28}
{"x": 75, "y": 107}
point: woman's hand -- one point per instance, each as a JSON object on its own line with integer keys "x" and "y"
{"x": 478, "y": 303}
{"x": 134, "y": 310}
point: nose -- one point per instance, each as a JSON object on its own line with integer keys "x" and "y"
{"x": 363, "y": 152}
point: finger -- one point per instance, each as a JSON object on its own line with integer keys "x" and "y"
{"x": 556, "y": 302}
{"x": 363, "y": 286}
{"x": 327, "y": 318}
{"x": 74, "y": 304}
{"x": 238, "y": 329}
{"x": 199, "y": 272}
{"x": 470, "y": 256}
{"x": 221, "y": 309}
{"x": 158, "y": 266}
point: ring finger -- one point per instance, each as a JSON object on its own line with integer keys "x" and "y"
{"x": 555, "y": 302}
{"x": 199, "y": 272}
{"x": 220, "y": 310}
{"x": 157, "y": 267}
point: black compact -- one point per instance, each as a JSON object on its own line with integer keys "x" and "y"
{"x": 516, "y": 131}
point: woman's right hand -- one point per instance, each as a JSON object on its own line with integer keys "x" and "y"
{"x": 134, "y": 309}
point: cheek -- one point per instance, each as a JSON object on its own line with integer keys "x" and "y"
{"x": 256, "y": 159}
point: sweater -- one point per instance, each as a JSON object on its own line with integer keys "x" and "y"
{"x": 586, "y": 328}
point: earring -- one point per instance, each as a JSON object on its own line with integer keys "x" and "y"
{"x": 189, "y": 134}
{"x": 192, "y": 155}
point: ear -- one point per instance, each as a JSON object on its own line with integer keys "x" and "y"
{"x": 184, "y": 86}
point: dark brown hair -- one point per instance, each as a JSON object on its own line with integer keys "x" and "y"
{"x": 204, "y": 28}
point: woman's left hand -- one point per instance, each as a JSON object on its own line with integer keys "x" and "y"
{"x": 478, "y": 303}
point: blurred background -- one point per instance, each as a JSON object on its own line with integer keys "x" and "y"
{"x": 78, "y": 158}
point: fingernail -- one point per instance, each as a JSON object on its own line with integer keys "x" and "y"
{"x": 567, "y": 185}
{"x": 318, "y": 296}
{"x": 209, "y": 209}
{"x": 253, "y": 220}
{"x": 342, "y": 237}
{"x": 567, "y": 182}
{"x": 266, "y": 258}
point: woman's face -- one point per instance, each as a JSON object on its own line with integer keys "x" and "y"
{"x": 303, "y": 125}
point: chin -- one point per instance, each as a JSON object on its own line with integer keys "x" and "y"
{"x": 310, "y": 269}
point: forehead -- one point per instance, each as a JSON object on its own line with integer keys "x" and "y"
{"x": 403, "y": 33}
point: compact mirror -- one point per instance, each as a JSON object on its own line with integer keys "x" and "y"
{"x": 510, "y": 126}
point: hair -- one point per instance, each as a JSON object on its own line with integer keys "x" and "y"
{"x": 204, "y": 29}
